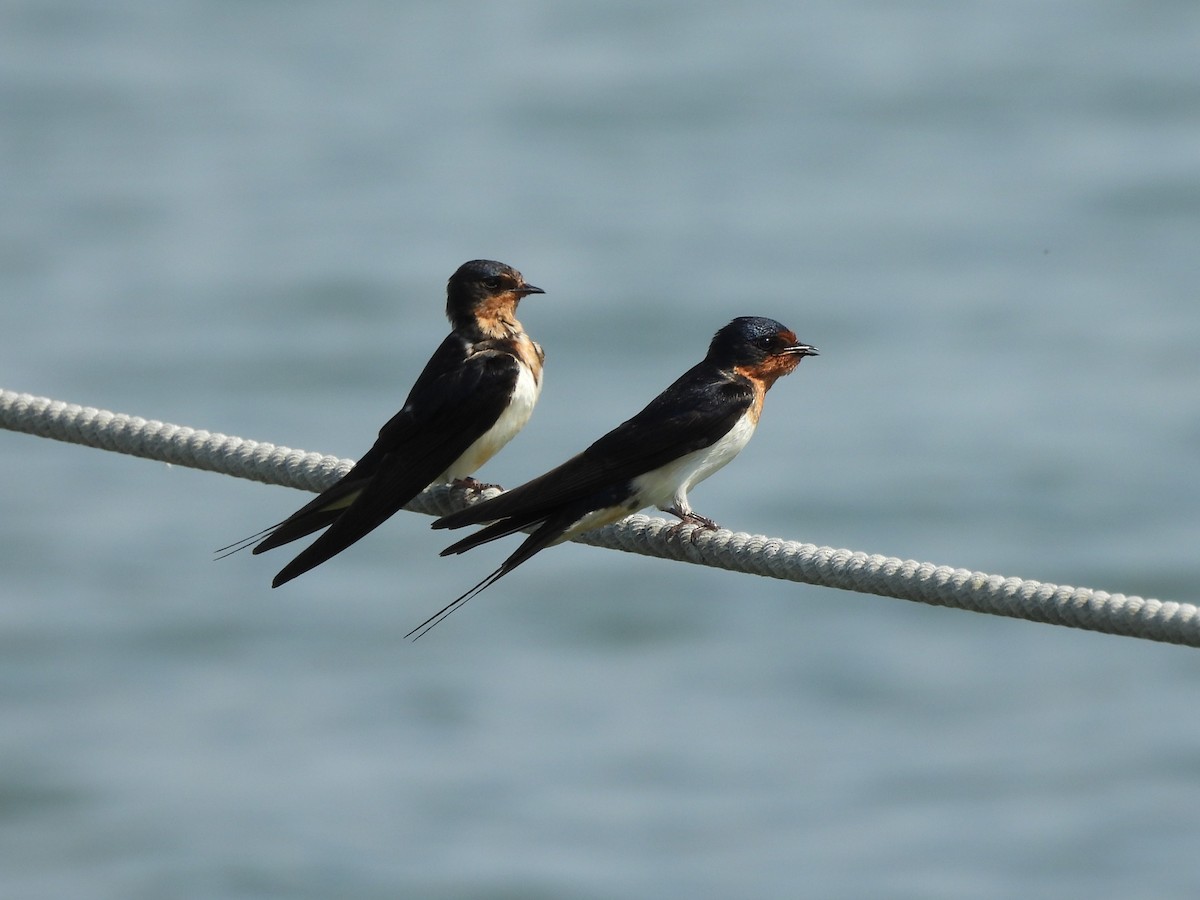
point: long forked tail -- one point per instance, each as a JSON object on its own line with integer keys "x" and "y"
{"x": 549, "y": 532}
{"x": 290, "y": 529}
{"x": 425, "y": 627}
{"x": 299, "y": 524}
{"x": 318, "y": 513}
{"x": 487, "y": 534}
{"x": 244, "y": 543}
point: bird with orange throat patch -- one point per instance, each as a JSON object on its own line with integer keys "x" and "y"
{"x": 476, "y": 392}
{"x": 688, "y": 432}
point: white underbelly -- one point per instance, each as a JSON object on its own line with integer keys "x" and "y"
{"x": 511, "y": 421}
{"x": 668, "y": 484}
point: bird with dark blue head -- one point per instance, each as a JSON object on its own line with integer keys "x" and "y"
{"x": 684, "y": 435}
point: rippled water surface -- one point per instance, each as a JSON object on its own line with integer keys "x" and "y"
{"x": 240, "y": 217}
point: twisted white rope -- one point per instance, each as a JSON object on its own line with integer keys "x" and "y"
{"x": 1176, "y": 623}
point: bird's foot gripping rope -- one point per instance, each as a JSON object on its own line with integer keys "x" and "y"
{"x": 1170, "y": 622}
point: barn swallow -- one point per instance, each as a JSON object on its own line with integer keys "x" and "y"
{"x": 684, "y": 435}
{"x": 475, "y": 393}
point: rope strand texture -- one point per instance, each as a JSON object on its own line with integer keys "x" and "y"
{"x": 1175, "y": 623}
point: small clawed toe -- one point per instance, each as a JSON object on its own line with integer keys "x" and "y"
{"x": 472, "y": 485}
{"x": 690, "y": 518}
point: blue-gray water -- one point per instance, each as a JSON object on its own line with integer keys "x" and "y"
{"x": 240, "y": 217}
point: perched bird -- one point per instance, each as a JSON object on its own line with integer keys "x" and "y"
{"x": 475, "y": 393}
{"x": 689, "y": 431}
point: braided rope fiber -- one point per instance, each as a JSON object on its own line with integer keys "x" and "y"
{"x": 1170, "y": 622}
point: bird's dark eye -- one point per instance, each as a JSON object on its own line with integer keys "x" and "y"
{"x": 492, "y": 283}
{"x": 767, "y": 341}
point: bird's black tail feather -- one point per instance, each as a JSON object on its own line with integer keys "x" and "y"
{"x": 313, "y": 516}
{"x": 424, "y": 628}
{"x": 489, "y": 533}
{"x": 237, "y": 546}
{"x": 297, "y": 527}
{"x": 550, "y": 531}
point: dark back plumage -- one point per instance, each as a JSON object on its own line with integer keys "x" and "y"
{"x": 459, "y": 412}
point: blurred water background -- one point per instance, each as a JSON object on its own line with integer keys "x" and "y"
{"x": 241, "y": 216}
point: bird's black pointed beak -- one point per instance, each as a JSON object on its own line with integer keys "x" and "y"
{"x": 525, "y": 289}
{"x": 802, "y": 350}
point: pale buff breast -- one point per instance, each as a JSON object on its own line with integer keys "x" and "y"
{"x": 511, "y": 421}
